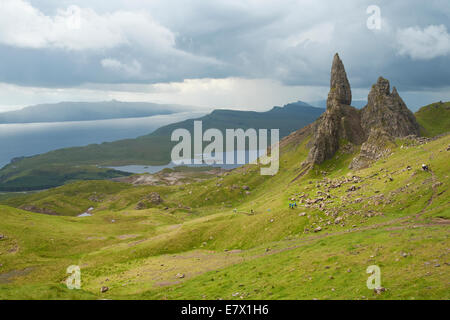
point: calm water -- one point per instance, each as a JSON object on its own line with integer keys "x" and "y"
{"x": 250, "y": 156}
{"x": 28, "y": 139}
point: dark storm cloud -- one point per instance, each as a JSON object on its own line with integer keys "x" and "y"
{"x": 289, "y": 41}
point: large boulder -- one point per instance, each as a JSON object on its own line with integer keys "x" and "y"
{"x": 155, "y": 198}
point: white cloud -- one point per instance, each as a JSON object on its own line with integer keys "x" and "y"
{"x": 76, "y": 28}
{"x": 292, "y": 41}
{"x": 424, "y": 44}
{"x": 132, "y": 69}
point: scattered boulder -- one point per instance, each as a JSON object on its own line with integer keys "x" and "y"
{"x": 104, "y": 289}
{"x": 141, "y": 205}
{"x": 318, "y": 229}
{"x": 246, "y": 188}
{"x": 180, "y": 275}
{"x": 338, "y": 220}
{"x": 155, "y": 198}
{"x": 149, "y": 200}
{"x": 353, "y": 188}
{"x": 96, "y": 197}
{"x": 379, "y": 290}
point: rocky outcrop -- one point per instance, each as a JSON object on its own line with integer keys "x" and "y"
{"x": 36, "y": 209}
{"x": 387, "y": 111}
{"x": 339, "y": 122}
{"x": 378, "y": 145}
{"x": 152, "y": 199}
{"x": 384, "y": 118}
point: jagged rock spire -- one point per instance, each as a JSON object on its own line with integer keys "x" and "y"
{"x": 388, "y": 111}
{"x": 339, "y": 122}
{"x": 384, "y": 118}
{"x": 340, "y": 91}
{"x": 382, "y": 87}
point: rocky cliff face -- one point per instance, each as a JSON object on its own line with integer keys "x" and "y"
{"x": 385, "y": 117}
{"x": 339, "y": 122}
{"x": 378, "y": 145}
{"x": 340, "y": 91}
{"x": 387, "y": 111}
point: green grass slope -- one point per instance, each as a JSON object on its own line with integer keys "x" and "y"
{"x": 434, "y": 119}
{"x": 216, "y": 239}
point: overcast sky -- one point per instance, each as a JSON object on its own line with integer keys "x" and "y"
{"x": 247, "y": 54}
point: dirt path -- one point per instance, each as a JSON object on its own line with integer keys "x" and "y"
{"x": 306, "y": 241}
{"x": 9, "y": 277}
{"x": 434, "y": 181}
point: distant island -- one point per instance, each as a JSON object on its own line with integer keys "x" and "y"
{"x": 85, "y": 111}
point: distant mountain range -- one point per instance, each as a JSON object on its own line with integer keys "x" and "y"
{"x": 288, "y": 118}
{"x": 359, "y": 104}
{"x": 57, "y": 167}
{"x": 83, "y": 111}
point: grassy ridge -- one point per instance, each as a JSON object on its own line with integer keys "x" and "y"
{"x": 434, "y": 119}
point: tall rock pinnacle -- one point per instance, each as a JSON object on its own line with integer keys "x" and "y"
{"x": 340, "y": 91}
{"x": 374, "y": 127}
{"x": 339, "y": 122}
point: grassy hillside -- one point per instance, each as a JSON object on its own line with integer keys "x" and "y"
{"x": 51, "y": 175}
{"x": 217, "y": 239}
{"x": 434, "y": 119}
{"x": 57, "y": 167}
